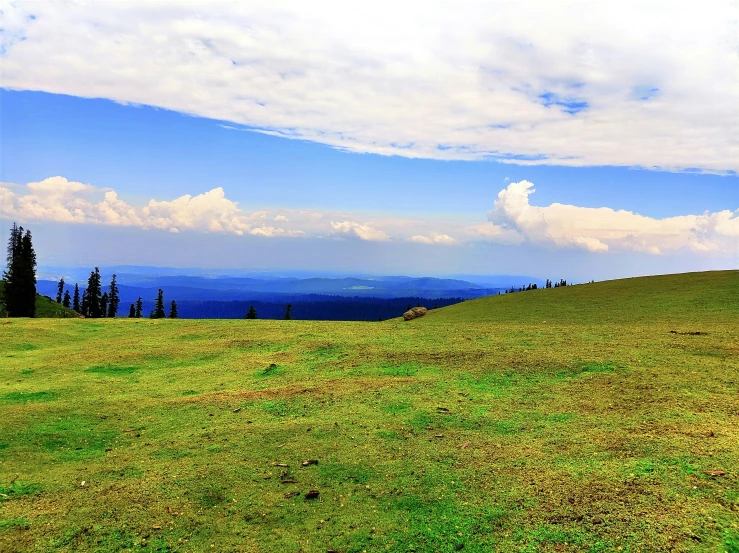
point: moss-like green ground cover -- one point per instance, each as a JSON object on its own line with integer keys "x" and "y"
{"x": 590, "y": 418}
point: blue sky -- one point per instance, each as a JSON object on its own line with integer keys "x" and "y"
{"x": 364, "y": 159}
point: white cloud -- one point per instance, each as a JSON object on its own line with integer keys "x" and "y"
{"x": 60, "y": 200}
{"x": 208, "y": 211}
{"x": 574, "y": 82}
{"x": 512, "y": 221}
{"x": 363, "y": 232}
{"x": 434, "y": 238}
{"x": 605, "y": 229}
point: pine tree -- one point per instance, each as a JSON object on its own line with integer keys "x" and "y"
{"x": 288, "y": 312}
{"x": 132, "y": 312}
{"x": 84, "y": 305}
{"x": 252, "y": 313}
{"x": 94, "y": 295}
{"x": 60, "y": 291}
{"x": 20, "y": 274}
{"x": 104, "y": 304}
{"x": 139, "y": 308}
{"x": 158, "y": 312}
{"x": 76, "y": 298}
{"x": 28, "y": 276}
{"x": 67, "y": 299}
{"x": 11, "y": 285}
{"x": 113, "y": 299}
{"x": 173, "y": 310}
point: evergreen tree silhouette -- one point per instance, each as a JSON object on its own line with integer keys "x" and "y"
{"x": 67, "y": 299}
{"x": 94, "y": 296}
{"x": 113, "y": 299}
{"x": 76, "y": 298}
{"x": 158, "y": 312}
{"x": 84, "y": 308}
{"x": 252, "y": 313}
{"x": 173, "y": 310}
{"x": 104, "y": 304}
{"x": 132, "y": 312}
{"x": 288, "y": 312}
{"x": 60, "y": 291}
{"x": 20, "y": 274}
{"x": 139, "y": 308}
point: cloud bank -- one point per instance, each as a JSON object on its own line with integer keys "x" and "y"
{"x": 631, "y": 83}
{"x": 511, "y": 221}
{"x": 605, "y": 229}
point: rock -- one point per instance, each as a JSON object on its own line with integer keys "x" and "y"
{"x": 414, "y": 313}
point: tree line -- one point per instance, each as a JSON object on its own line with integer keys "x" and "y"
{"x": 310, "y": 307}
{"x": 19, "y": 294}
{"x": 548, "y": 284}
{"x": 96, "y": 304}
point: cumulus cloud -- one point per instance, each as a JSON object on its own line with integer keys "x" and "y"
{"x": 634, "y": 82}
{"x": 363, "y": 232}
{"x": 604, "y": 229}
{"x": 512, "y": 221}
{"x": 434, "y": 238}
{"x": 60, "y": 200}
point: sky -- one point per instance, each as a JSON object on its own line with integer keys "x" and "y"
{"x": 570, "y": 139}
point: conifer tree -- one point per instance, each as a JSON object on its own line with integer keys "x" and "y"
{"x": 288, "y": 312}
{"x": 113, "y": 299}
{"x": 28, "y": 264}
{"x": 158, "y": 312}
{"x": 84, "y": 306}
{"x": 60, "y": 291}
{"x": 94, "y": 295}
{"x": 132, "y": 312}
{"x": 139, "y": 308}
{"x": 11, "y": 285}
{"x": 20, "y": 274}
{"x": 67, "y": 299}
{"x": 252, "y": 313}
{"x": 173, "y": 310}
{"x": 104, "y": 304}
{"x": 76, "y": 298}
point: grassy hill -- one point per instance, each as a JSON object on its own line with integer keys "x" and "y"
{"x": 45, "y": 307}
{"x": 681, "y": 298}
{"x": 612, "y": 426}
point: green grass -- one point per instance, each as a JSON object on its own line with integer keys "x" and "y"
{"x": 565, "y": 420}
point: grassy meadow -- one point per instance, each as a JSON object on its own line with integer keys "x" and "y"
{"x": 594, "y": 418}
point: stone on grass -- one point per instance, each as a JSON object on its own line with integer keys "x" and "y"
{"x": 414, "y": 313}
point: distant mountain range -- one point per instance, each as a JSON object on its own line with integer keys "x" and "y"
{"x": 196, "y": 293}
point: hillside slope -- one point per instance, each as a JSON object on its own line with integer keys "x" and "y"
{"x": 681, "y": 299}
{"x": 46, "y": 308}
